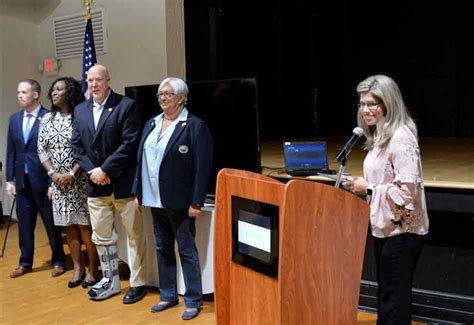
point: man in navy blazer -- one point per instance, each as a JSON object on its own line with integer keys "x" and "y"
{"x": 105, "y": 140}
{"x": 29, "y": 181}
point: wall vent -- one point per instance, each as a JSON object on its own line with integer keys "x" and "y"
{"x": 69, "y": 34}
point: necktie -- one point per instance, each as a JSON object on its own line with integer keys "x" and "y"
{"x": 97, "y": 113}
{"x": 26, "y": 133}
{"x": 28, "y": 125}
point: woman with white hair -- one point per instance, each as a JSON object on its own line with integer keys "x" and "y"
{"x": 174, "y": 164}
{"x": 393, "y": 183}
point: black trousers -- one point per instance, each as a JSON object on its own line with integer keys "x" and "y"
{"x": 396, "y": 259}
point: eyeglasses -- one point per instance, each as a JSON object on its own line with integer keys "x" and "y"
{"x": 166, "y": 94}
{"x": 370, "y": 105}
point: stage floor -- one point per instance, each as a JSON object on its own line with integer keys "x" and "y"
{"x": 447, "y": 162}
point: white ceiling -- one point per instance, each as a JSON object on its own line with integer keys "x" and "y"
{"x": 34, "y": 11}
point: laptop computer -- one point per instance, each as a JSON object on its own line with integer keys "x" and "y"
{"x": 306, "y": 158}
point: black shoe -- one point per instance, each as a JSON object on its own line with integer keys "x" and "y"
{"x": 134, "y": 294}
{"x": 87, "y": 283}
{"x": 76, "y": 283}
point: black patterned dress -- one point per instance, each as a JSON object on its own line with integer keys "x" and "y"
{"x": 54, "y": 143}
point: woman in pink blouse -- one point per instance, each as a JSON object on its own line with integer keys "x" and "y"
{"x": 393, "y": 183}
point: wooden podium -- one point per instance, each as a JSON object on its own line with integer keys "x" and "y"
{"x": 322, "y": 234}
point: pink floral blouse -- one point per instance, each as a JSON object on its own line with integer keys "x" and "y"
{"x": 398, "y": 202}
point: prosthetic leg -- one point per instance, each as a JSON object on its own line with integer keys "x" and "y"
{"x": 110, "y": 283}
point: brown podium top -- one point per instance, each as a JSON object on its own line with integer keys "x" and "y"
{"x": 447, "y": 162}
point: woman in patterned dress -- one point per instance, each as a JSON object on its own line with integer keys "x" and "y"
{"x": 393, "y": 183}
{"x": 69, "y": 193}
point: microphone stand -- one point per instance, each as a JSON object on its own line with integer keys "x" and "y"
{"x": 342, "y": 168}
{"x": 8, "y": 227}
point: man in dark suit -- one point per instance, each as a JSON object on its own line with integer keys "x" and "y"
{"x": 29, "y": 181}
{"x": 105, "y": 140}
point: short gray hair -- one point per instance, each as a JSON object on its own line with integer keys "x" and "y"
{"x": 179, "y": 87}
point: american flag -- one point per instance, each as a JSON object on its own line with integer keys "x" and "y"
{"x": 89, "y": 58}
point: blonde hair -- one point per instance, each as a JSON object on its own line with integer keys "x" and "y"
{"x": 395, "y": 112}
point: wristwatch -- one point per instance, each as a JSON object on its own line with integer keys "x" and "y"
{"x": 51, "y": 172}
{"x": 196, "y": 206}
{"x": 370, "y": 191}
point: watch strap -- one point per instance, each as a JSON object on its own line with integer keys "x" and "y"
{"x": 196, "y": 206}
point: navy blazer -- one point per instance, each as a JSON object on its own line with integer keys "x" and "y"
{"x": 19, "y": 153}
{"x": 184, "y": 174}
{"x": 112, "y": 147}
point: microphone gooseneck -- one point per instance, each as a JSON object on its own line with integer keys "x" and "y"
{"x": 344, "y": 152}
{"x": 347, "y": 147}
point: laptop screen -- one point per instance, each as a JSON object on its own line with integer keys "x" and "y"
{"x": 305, "y": 155}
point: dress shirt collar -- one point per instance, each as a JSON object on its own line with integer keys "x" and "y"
{"x": 34, "y": 112}
{"x": 99, "y": 106}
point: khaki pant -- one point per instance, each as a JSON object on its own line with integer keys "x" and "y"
{"x": 102, "y": 211}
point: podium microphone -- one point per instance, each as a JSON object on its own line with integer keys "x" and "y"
{"x": 346, "y": 149}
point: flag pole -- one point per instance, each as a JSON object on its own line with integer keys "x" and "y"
{"x": 88, "y": 4}
{"x": 89, "y": 57}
